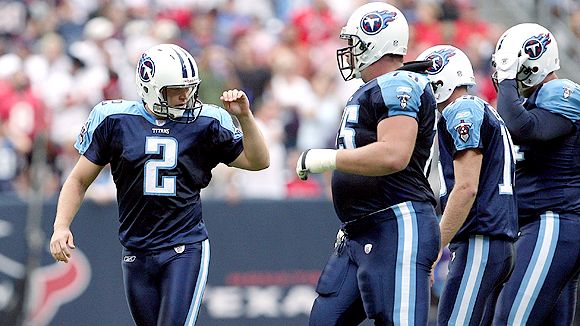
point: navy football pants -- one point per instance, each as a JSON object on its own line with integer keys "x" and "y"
{"x": 382, "y": 273}
{"x": 546, "y": 270}
{"x": 165, "y": 287}
{"x": 479, "y": 266}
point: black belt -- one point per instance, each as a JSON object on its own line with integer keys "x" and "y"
{"x": 366, "y": 222}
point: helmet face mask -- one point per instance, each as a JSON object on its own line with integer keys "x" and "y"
{"x": 186, "y": 112}
{"x": 451, "y": 68}
{"x": 164, "y": 67}
{"x": 537, "y": 51}
{"x": 347, "y": 56}
{"x": 372, "y": 31}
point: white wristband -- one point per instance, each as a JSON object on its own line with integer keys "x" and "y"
{"x": 319, "y": 160}
{"x": 315, "y": 161}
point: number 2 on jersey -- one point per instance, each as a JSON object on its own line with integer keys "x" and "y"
{"x": 153, "y": 145}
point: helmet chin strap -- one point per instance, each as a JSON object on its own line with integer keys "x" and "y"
{"x": 151, "y": 111}
{"x": 186, "y": 114}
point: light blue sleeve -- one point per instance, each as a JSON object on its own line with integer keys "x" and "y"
{"x": 560, "y": 96}
{"x": 463, "y": 122}
{"x": 98, "y": 114}
{"x": 85, "y": 137}
{"x": 402, "y": 91}
{"x": 225, "y": 119}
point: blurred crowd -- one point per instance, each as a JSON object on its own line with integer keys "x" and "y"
{"x": 59, "y": 58}
{"x": 568, "y": 12}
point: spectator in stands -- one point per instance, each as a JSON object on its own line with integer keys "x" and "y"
{"x": 291, "y": 90}
{"x": 314, "y": 23}
{"x": 468, "y": 26}
{"x": 269, "y": 183}
{"x": 428, "y": 30}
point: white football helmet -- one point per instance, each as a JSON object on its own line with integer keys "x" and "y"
{"x": 163, "y": 66}
{"x": 451, "y": 68}
{"x": 538, "y": 44}
{"x": 373, "y": 30}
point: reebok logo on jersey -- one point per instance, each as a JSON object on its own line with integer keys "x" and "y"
{"x": 129, "y": 259}
{"x": 463, "y": 115}
{"x": 179, "y": 249}
{"x": 368, "y": 248}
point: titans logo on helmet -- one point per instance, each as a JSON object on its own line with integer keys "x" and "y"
{"x": 535, "y": 46}
{"x": 440, "y": 58}
{"x": 375, "y": 21}
{"x": 146, "y": 68}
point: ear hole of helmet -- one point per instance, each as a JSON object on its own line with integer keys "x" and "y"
{"x": 436, "y": 85}
{"x": 525, "y": 73}
{"x": 363, "y": 47}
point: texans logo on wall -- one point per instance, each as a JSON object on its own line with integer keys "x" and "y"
{"x": 51, "y": 285}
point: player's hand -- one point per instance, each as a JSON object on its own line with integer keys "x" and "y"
{"x": 315, "y": 161}
{"x": 236, "y": 102}
{"x": 61, "y": 244}
{"x": 432, "y": 274}
{"x": 507, "y": 64}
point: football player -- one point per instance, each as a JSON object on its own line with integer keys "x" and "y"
{"x": 479, "y": 221}
{"x": 161, "y": 150}
{"x": 389, "y": 237}
{"x": 542, "y": 114}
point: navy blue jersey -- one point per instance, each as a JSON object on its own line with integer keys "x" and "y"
{"x": 395, "y": 93}
{"x": 548, "y": 173}
{"x": 159, "y": 168}
{"x": 471, "y": 123}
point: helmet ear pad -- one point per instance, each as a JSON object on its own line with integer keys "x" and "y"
{"x": 168, "y": 66}
{"x": 373, "y": 30}
{"x": 451, "y": 68}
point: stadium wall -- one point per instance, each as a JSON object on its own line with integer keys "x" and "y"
{"x": 266, "y": 257}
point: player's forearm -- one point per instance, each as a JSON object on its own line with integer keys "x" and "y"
{"x": 459, "y": 204}
{"x": 510, "y": 107}
{"x": 69, "y": 202}
{"x": 375, "y": 159}
{"x": 255, "y": 148}
{"x": 528, "y": 126}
